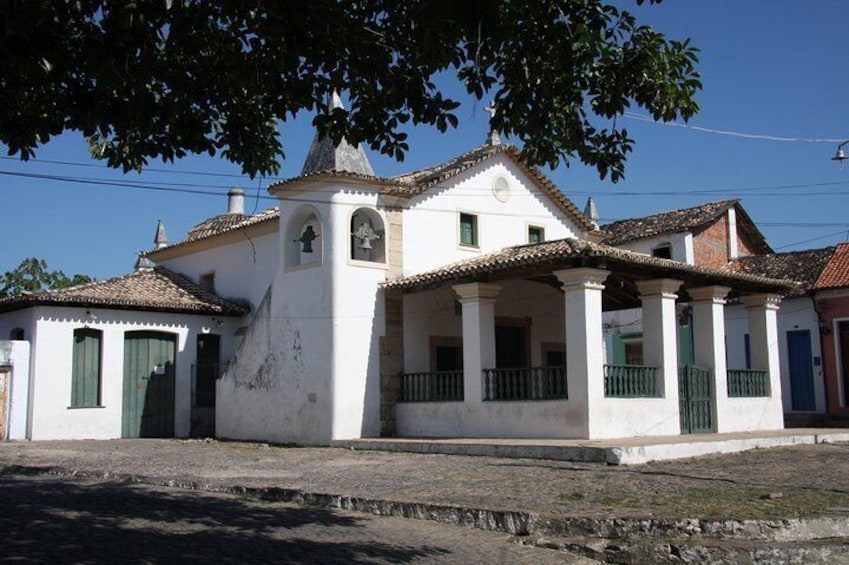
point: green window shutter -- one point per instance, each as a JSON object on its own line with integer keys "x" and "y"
{"x": 85, "y": 375}
{"x": 468, "y": 230}
{"x": 685, "y": 345}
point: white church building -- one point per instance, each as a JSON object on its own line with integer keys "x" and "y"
{"x": 462, "y": 300}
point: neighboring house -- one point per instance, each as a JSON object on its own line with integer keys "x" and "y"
{"x": 115, "y": 358}
{"x": 708, "y": 235}
{"x": 799, "y": 324}
{"x": 462, "y": 300}
{"x": 832, "y": 299}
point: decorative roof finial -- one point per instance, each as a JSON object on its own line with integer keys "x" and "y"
{"x": 590, "y": 211}
{"x": 494, "y": 138}
{"x": 144, "y": 264}
{"x": 161, "y": 238}
{"x": 323, "y": 156}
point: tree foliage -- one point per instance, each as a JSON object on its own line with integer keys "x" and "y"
{"x": 146, "y": 79}
{"x": 32, "y": 275}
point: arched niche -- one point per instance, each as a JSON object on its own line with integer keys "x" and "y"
{"x": 304, "y": 238}
{"x": 367, "y": 236}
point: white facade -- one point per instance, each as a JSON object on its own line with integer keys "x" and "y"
{"x": 681, "y": 245}
{"x": 47, "y": 411}
{"x": 432, "y": 220}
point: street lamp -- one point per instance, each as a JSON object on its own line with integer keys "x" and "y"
{"x": 840, "y": 156}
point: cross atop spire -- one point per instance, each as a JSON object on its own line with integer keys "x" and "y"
{"x": 494, "y": 138}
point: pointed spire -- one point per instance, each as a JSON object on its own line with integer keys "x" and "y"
{"x": 590, "y": 211}
{"x": 323, "y": 156}
{"x": 161, "y": 239}
{"x": 143, "y": 264}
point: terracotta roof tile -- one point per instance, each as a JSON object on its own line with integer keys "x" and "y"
{"x": 221, "y": 224}
{"x": 158, "y": 289}
{"x": 836, "y": 273}
{"x": 565, "y": 253}
{"x": 682, "y": 220}
{"x": 801, "y": 266}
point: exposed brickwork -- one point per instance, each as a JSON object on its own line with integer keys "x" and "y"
{"x": 710, "y": 245}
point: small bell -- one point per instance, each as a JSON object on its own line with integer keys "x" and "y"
{"x": 306, "y": 239}
{"x": 365, "y": 244}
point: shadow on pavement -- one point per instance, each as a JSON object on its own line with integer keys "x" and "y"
{"x": 62, "y": 520}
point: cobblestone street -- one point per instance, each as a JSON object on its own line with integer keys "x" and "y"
{"x": 157, "y": 501}
{"x": 65, "y": 520}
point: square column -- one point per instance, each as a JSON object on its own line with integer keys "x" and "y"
{"x": 478, "y": 304}
{"x": 709, "y": 341}
{"x": 660, "y": 334}
{"x": 763, "y": 347}
{"x": 584, "y": 344}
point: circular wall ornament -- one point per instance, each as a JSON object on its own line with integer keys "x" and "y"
{"x": 501, "y": 189}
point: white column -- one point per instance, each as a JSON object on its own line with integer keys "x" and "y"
{"x": 660, "y": 334}
{"x": 478, "y": 303}
{"x": 584, "y": 344}
{"x": 763, "y": 347}
{"x": 709, "y": 341}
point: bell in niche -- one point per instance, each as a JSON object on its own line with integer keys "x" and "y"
{"x": 306, "y": 239}
{"x": 365, "y": 234}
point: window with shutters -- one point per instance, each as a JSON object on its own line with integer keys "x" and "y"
{"x": 468, "y": 230}
{"x": 86, "y": 370}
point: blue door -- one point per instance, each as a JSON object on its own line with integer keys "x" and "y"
{"x": 801, "y": 373}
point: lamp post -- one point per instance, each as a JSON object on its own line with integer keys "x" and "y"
{"x": 840, "y": 156}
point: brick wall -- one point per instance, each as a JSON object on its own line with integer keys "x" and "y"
{"x": 710, "y": 246}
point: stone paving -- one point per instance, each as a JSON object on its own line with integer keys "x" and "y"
{"x": 810, "y": 480}
{"x": 66, "y": 520}
{"x": 735, "y": 508}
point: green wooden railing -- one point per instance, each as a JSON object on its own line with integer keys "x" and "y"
{"x": 526, "y": 383}
{"x": 439, "y": 386}
{"x": 747, "y": 383}
{"x": 630, "y": 381}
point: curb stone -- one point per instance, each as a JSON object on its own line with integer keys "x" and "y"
{"x": 514, "y": 522}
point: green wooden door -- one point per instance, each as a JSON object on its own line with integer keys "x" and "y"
{"x": 695, "y": 394}
{"x": 148, "y": 407}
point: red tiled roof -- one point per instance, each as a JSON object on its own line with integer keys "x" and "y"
{"x": 159, "y": 290}
{"x": 836, "y": 273}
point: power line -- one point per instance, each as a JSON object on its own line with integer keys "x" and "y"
{"x": 730, "y": 133}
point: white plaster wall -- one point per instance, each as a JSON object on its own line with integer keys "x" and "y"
{"x": 432, "y": 313}
{"x": 16, "y": 355}
{"x": 358, "y": 323}
{"x": 50, "y": 393}
{"x": 550, "y": 419}
{"x": 17, "y": 319}
{"x": 431, "y": 224}
{"x": 682, "y": 245}
{"x": 795, "y": 313}
{"x": 243, "y": 270}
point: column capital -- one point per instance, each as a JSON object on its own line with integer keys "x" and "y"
{"x": 713, "y": 294}
{"x": 476, "y": 292}
{"x": 666, "y": 288}
{"x": 582, "y": 278}
{"x": 765, "y": 301}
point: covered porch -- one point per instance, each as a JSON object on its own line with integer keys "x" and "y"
{"x": 511, "y": 345}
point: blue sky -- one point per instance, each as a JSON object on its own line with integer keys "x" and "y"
{"x": 770, "y": 68}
